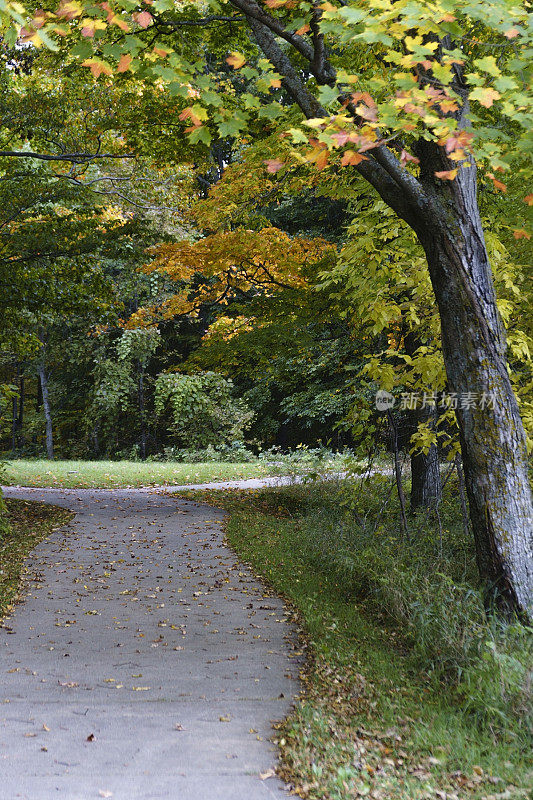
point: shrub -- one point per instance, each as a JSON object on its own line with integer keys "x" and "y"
{"x": 235, "y": 453}
{"x": 203, "y": 410}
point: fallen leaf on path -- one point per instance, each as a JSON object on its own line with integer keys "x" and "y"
{"x": 270, "y": 773}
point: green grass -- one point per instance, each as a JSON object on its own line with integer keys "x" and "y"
{"x": 381, "y": 716}
{"x": 117, "y": 474}
{"x": 28, "y": 523}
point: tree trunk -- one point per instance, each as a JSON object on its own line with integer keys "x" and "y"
{"x": 398, "y": 474}
{"x": 20, "y": 422}
{"x": 43, "y": 378}
{"x": 14, "y": 425}
{"x": 493, "y": 441}
{"x": 142, "y": 444}
{"x": 426, "y": 484}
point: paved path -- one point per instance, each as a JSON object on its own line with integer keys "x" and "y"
{"x": 242, "y": 483}
{"x": 145, "y": 662}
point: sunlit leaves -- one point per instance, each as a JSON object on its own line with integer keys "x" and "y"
{"x": 211, "y": 269}
{"x": 485, "y": 95}
{"x": 447, "y": 174}
{"x": 124, "y": 63}
{"x": 397, "y": 64}
{"x": 97, "y": 66}
{"x": 236, "y": 60}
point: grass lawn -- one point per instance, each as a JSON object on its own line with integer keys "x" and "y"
{"x": 373, "y": 722}
{"x": 29, "y": 524}
{"x": 117, "y": 474}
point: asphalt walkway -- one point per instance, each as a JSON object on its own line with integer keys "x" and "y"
{"x": 144, "y": 662}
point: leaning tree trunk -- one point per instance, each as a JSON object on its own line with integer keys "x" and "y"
{"x": 493, "y": 441}
{"x": 43, "y": 378}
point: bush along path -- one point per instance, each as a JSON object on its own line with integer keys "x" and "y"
{"x": 144, "y": 662}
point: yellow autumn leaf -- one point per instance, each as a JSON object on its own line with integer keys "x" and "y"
{"x": 236, "y": 60}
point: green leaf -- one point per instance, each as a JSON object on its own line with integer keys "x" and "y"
{"x": 200, "y": 134}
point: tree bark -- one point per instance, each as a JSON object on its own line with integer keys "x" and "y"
{"x": 14, "y": 425}
{"x": 21, "y": 409}
{"x": 43, "y": 378}
{"x": 492, "y": 436}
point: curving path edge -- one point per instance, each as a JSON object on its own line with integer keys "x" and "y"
{"x": 144, "y": 662}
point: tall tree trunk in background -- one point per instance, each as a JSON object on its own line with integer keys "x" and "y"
{"x": 20, "y": 423}
{"x": 43, "y": 379}
{"x": 398, "y": 474}
{"x": 15, "y": 419}
{"x": 493, "y": 441}
{"x": 142, "y": 444}
{"x": 14, "y": 425}
{"x": 426, "y": 484}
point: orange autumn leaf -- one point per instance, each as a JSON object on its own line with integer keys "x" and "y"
{"x": 447, "y": 174}
{"x": 144, "y": 18}
{"x": 351, "y": 158}
{"x": 520, "y": 233}
{"x": 485, "y": 96}
{"x": 512, "y": 33}
{"x": 236, "y": 60}
{"x": 97, "y": 67}
{"x": 114, "y": 19}
{"x": 188, "y": 113}
{"x": 274, "y": 165}
{"x": 498, "y": 185}
{"x": 124, "y": 63}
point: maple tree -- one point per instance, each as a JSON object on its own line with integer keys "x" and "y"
{"x": 411, "y": 96}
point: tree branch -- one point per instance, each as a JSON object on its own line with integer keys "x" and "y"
{"x": 75, "y": 158}
{"x": 282, "y": 63}
{"x": 320, "y": 67}
{"x": 254, "y": 12}
{"x": 393, "y": 183}
{"x": 180, "y": 23}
